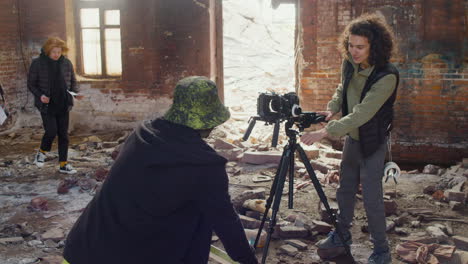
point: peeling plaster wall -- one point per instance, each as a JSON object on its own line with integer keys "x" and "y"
{"x": 162, "y": 42}
{"x": 431, "y": 109}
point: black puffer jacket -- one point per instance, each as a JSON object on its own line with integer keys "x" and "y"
{"x": 38, "y": 80}
{"x": 164, "y": 184}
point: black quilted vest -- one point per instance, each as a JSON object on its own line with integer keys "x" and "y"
{"x": 373, "y": 133}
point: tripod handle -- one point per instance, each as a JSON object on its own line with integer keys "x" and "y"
{"x": 276, "y": 128}
{"x": 252, "y": 122}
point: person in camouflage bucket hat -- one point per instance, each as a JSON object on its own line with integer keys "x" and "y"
{"x": 166, "y": 192}
{"x": 197, "y": 105}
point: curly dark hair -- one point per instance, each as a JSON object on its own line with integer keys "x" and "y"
{"x": 379, "y": 34}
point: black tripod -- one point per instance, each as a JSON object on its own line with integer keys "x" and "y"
{"x": 287, "y": 163}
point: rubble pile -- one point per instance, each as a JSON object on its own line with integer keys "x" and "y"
{"x": 426, "y": 210}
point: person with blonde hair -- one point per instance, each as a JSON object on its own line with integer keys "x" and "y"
{"x": 365, "y": 99}
{"x": 51, "y": 79}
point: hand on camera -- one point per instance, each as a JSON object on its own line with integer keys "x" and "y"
{"x": 315, "y": 136}
{"x": 328, "y": 114}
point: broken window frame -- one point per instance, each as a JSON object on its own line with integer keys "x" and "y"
{"x": 103, "y": 6}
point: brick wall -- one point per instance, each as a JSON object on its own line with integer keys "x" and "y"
{"x": 162, "y": 42}
{"x": 431, "y": 109}
{"x": 12, "y": 68}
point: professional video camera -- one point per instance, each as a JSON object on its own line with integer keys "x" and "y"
{"x": 274, "y": 108}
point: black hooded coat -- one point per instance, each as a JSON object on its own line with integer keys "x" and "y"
{"x": 165, "y": 194}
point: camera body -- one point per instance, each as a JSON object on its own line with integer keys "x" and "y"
{"x": 272, "y": 107}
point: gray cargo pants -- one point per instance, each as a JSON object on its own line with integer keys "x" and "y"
{"x": 369, "y": 172}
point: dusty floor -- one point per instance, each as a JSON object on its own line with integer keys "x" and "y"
{"x": 40, "y": 232}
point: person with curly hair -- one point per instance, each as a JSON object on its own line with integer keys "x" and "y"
{"x": 51, "y": 78}
{"x": 365, "y": 99}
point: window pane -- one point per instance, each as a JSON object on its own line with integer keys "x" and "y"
{"x": 92, "y": 51}
{"x": 90, "y": 17}
{"x": 112, "y": 17}
{"x": 113, "y": 51}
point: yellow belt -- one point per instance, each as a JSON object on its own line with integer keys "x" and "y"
{"x": 65, "y": 262}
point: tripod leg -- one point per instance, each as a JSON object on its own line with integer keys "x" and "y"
{"x": 270, "y": 198}
{"x": 323, "y": 198}
{"x": 291, "y": 178}
{"x": 277, "y": 200}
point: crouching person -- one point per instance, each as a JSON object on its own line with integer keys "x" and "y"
{"x": 166, "y": 192}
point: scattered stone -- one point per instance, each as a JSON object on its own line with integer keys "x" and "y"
{"x": 231, "y": 154}
{"x": 401, "y": 231}
{"x": 50, "y": 244}
{"x": 39, "y": 203}
{"x": 312, "y": 152}
{"x": 415, "y": 224}
{"x": 401, "y": 219}
{"x": 331, "y": 153}
{"x": 249, "y": 222}
{"x": 430, "y": 189}
{"x": 256, "y": 205}
{"x": 293, "y": 232}
{"x": 101, "y": 174}
{"x": 456, "y": 196}
{"x": 390, "y": 226}
{"x": 459, "y": 257}
{"x": 239, "y": 200}
{"x": 461, "y": 242}
{"x": 55, "y": 234}
{"x": 66, "y": 184}
{"x": 456, "y": 206}
{"x": 108, "y": 144}
{"x": 34, "y": 243}
{"x": 438, "y": 195}
{"x": 254, "y": 214}
{"x": 261, "y": 157}
{"x": 320, "y": 227}
{"x": 261, "y": 178}
{"x": 431, "y": 169}
{"x": 11, "y": 240}
{"x": 322, "y": 167}
{"x": 288, "y": 250}
{"x": 436, "y": 232}
{"x": 297, "y": 244}
{"x": 390, "y": 207}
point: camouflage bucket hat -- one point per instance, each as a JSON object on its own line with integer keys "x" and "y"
{"x": 196, "y": 104}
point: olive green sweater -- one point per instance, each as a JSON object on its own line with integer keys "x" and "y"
{"x": 359, "y": 112}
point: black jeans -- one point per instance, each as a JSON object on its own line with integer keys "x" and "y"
{"x": 56, "y": 124}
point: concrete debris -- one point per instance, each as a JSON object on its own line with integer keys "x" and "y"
{"x": 414, "y": 252}
{"x": 292, "y": 232}
{"x": 431, "y": 169}
{"x": 249, "y": 222}
{"x": 296, "y": 243}
{"x": 289, "y": 250}
{"x": 55, "y": 234}
{"x": 261, "y": 157}
{"x": 461, "y": 242}
{"x": 12, "y": 240}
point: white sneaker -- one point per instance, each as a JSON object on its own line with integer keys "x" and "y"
{"x": 39, "y": 159}
{"x": 68, "y": 169}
